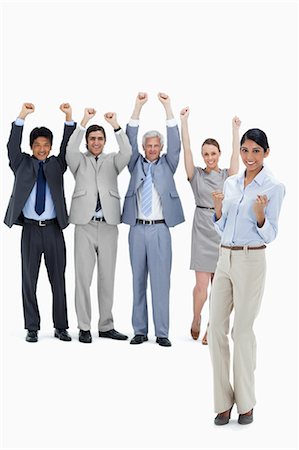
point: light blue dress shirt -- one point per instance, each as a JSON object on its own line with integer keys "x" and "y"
{"x": 238, "y": 225}
{"x": 29, "y": 207}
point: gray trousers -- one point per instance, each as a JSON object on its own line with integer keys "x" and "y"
{"x": 95, "y": 242}
{"x": 238, "y": 284}
{"x": 150, "y": 253}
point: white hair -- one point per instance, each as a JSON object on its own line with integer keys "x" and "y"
{"x": 153, "y": 133}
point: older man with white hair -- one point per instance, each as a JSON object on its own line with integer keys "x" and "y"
{"x": 151, "y": 206}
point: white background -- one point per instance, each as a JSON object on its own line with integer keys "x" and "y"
{"x": 220, "y": 59}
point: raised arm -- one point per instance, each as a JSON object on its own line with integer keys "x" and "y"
{"x": 73, "y": 154}
{"x": 188, "y": 158}
{"x": 234, "y": 160}
{"x": 173, "y": 138}
{"x": 15, "y": 138}
{"x": 68, "y": 130}
{"x": 121, "y": 158}
{"x": 132, "y": 128}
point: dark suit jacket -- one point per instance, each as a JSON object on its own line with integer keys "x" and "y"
{"x": 25, "y": 169}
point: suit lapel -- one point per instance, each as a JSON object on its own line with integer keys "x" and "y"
{"x": 96, "y": 164}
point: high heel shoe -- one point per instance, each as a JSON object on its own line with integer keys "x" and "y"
{"x": 222, "y": 419}
{"x": 195, "y": 333}
{"x": 204, "y": 340}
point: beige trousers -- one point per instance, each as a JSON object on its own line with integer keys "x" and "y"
{"x": 238, "y": 284}
{"x": 95, "y": 242}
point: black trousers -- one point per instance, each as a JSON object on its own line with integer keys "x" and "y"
{"x": 48, "y": 240}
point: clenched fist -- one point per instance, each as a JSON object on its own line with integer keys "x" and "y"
{"x": 27, "y": 108}
{"x": 184, "y": 114}
{"x": 110, "y": 117}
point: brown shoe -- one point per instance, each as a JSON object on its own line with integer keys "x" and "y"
{"x": 204, "y": 340}
{"x": 195, "y": 333}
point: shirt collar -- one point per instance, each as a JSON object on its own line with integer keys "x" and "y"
{"x": 259, "y": 178}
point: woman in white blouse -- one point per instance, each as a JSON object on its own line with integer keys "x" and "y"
{"x": 246, "y": 217}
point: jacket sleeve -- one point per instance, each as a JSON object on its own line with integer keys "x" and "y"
{"x": 73, "y": 154}
{"x": 132, "y": 133}
{"x": 15, "y": 154}
{"x": 173, "y": 147}
{"x": 122, "y": 158}
{"x": 67, "y": 132}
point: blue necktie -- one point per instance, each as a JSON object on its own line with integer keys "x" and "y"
{"x": 146, "y": 200}
{"x": 40, "y": 190}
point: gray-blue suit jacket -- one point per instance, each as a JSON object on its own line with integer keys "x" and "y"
{"x": 162, "y": 175}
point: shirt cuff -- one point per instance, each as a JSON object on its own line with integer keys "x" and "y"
{"x": 19, "y": 122}
{"x": 80, "y": 127}
{"x": 264, "y": 230}
{"x": 70, "y": 123}
{"x": 171, "y": 123}
{"x": 134, "y": 122}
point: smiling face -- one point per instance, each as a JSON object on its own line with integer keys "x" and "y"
{"x": 211, "y": 155}
{"x": 41, "y": 148}
{"x": 152, "y": 148}
{"x": 253, "y": 156}
{"x": 96, "y": 142}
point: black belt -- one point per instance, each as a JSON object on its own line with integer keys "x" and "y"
{"x": 40, "y": 223}
{"x": 98, "y": 219}
{"x": 243, "y": 248}
{"x": 204, "y": 207}
{"x": 149, "y": 222}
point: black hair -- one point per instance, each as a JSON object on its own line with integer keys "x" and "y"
{"x": 40, "y": 132}
{"x": 92, "y": 128}
{"x": 258, "y": 136}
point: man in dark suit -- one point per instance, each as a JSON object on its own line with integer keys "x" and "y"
{"x": 38, "y": 204}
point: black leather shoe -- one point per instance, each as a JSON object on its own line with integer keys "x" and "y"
{"x": 85, "y": 336}
{"x": 245, "y": 419}
{"x": 138, "y": 339}
{"x": 32, "y": 336}
{"x": 113, "y": 334}
{"x": 62, "y": 334}
{"x": 163, "y": 341}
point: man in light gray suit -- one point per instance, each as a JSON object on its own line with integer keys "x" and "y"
{"x": 151, "y": 206}
{"x": 95, "y": 210}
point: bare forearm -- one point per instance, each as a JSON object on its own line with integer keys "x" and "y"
{"x": 169, "y": 113}
{"x": 234, "y": 160}
{"x": 136, "y": 112}
{"x": 188, "y": 158}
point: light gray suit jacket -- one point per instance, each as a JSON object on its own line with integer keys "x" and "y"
{"x": 96, "y": 176}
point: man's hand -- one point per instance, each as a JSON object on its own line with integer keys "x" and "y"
{"x": 27, "y": 108}
{"x": 259, "y": 209}
{"x": 110, "y": 117}
{"x": 184, "y": 114}
{"x": 67, "y": 110}
{"x": 217, "y": 199}
{"x": 164, "y": 98}
{"x": 141, "y": 99}
{"x": 89, "y": 113}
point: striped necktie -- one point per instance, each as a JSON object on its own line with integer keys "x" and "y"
{"x": 146, "y": 200}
